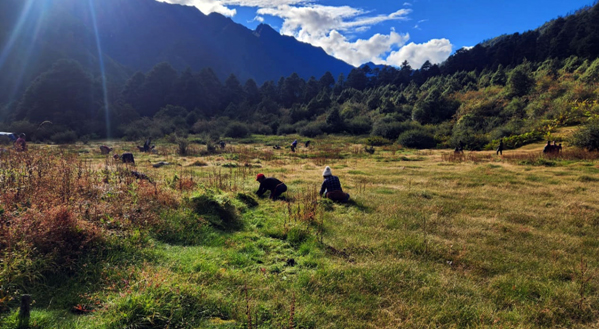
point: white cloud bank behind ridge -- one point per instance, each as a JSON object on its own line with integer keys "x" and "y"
{"x": 330, "y": 28}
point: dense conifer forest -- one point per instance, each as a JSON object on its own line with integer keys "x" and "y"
{"x": 514, "y": 86}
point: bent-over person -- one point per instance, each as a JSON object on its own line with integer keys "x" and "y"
{"x": 548, "y": 148}
{"x": 275, "y": 186}
{"x": 331, "y": 187}
{"x": 21, "y": 144}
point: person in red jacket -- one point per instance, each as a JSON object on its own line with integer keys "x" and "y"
{"x": 275, "y": 186}
{"x": 21, "y": 144}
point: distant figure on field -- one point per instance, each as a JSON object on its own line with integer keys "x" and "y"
{"x": 275, "y": 186}
{"x": 128, "y": 158}
{"x": 147, "y": 146}
{"x": 276, "y": 147}
{"x": 105, "y": 149}
{"x": 331, "y": 187}
{"x": 548, "y": 148}
{"x": 293, "y": 145}
{"x": 21, "y": 144}
{"x": 160, "y": 164}
{"x": 559, "y": 148}
{"x": 500, "y": 147}
{"x": 222, "y": 145}
{"x": 141, "y": 176}
{"x": 308, "y": 144}
{"x": 459, "y": 149}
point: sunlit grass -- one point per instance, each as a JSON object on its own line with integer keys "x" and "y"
{"x": 483, "y": 242}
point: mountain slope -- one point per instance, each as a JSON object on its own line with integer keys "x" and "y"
{"x": 138, "y": 34}
{"x": 573, "y": 35}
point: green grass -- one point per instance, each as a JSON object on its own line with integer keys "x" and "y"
{"x": 488, "y": 244}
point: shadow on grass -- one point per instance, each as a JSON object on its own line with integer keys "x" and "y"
{"x": 357, "y": 205}
{"x": 99, "y": 269}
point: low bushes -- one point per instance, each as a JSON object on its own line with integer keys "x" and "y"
{"x": 378, "y": 141}
{"x": 587, "y": 137}
{"x": 418, "y": 139}
{"x": 237, "y": 130}
{"x": 286, "y": 129}
{"x": 313, "y": 129}
{"x": 517, "y": 141}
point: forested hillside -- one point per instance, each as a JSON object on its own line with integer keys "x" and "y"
{"x": 519, "y": 87}
{"x": 134, "y": 35}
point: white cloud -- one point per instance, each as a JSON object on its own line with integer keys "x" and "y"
{"x": 258, "y": 19}
{"x": 262, "y": 3}
{"x": 206, "y": 6}
{"x": 361, "y": 50}
{"x": 435, "y": 51}
{"x": 323, "y": 26}
{"x": 330, "y": 27}
{"x": 318, "y": 20}
{"x": 417, "y": 26}
{"x": 220, "y": 6}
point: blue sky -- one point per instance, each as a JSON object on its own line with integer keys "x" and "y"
{"x": 390, "y": 31}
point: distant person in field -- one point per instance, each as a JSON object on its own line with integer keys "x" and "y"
{"x": 331, "y": 187}
{"x": 459, "y": 149}
{"x": 105, "y": 149}
{"x": 500, "y": 147}
{"x": 147, "y": 146}
{"x": 559, "y": 148}
{"x": 128, "y": 158}
{"x": 21, "y": 144}
{"x": 293, "y": 145}
{"x": 275, "y": 186}
{"x": 307, "y": 144}
{"x": 548, "y": 148}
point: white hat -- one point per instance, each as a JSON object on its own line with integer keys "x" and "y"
{"x": 327, "y": 172}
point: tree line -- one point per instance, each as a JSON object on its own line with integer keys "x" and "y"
{"x": 500, "y": 88}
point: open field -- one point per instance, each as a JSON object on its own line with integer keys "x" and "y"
{"x": 429, "y": 240}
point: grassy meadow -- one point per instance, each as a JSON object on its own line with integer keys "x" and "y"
{"x": 428, "y": 240}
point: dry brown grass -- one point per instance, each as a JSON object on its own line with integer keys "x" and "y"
{"x": 59, "y": 204}
{"x": 572, "y": 154}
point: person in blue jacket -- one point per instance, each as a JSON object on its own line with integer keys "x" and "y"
{"x": 331, "y": 187}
